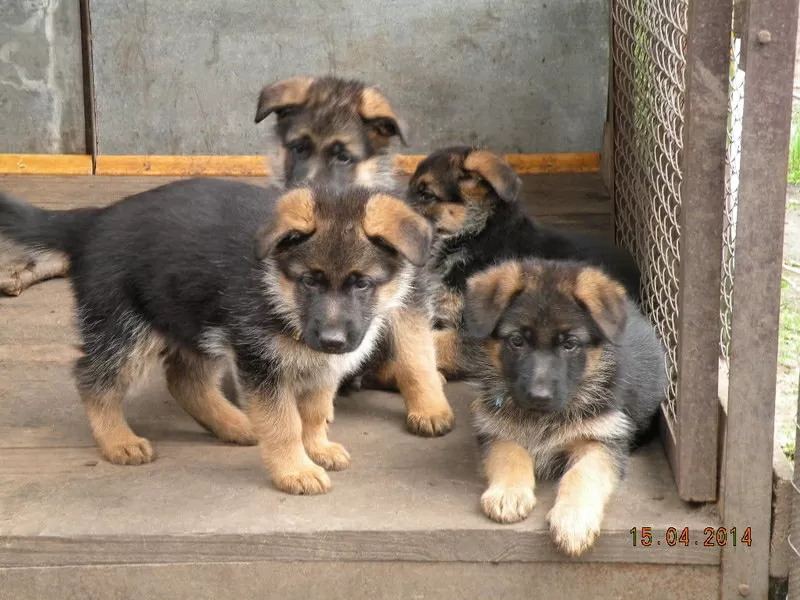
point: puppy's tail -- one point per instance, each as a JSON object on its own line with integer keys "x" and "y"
{"x": 39, "y": 229}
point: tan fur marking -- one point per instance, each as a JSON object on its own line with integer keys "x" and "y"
{"x": 594, "y": 357}
{"x": 493, "y": 350}
{"x": 508, "y": 469}
{"x": 494, "y": 169}
{"x": 195, "y": 384}
{"x": 449, "y": 217}
{"x": 287, "y": 92}
{"x": 118, "y": 443}
{"x": 40, "y": 267}
{"x": 294, "y": 212}
{"x": 489, "y": 294}
{"x": 374, "y": 105}
{"x": 415, "y": 373}
{"x": 316, "y": 411}
{"x": 400, "y": 226}
{"x": 604, "y": 298}
{"x": 448, "y": 350}
{"x": 279, "y": 429}
{"x": 583, "y": 493}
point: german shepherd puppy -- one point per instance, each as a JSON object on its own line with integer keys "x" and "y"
{"x": 296, "y": 289}
{"x": 330, "y": 130}
{"x": 471, "y": 198}
{"x": 570, "y": 377}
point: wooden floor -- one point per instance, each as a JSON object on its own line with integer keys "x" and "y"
{"x": 205, "y": 511}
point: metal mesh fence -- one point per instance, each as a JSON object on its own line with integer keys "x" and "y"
{"x": 649, "y": 44}
{"x": 733, "y": 152}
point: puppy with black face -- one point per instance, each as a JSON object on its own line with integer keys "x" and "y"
{"x": 472, "y": 198}
{"x": 332, "y": 131}
{"x": 570, "y": 377}
{"x": 295, "y": 289}
{"x": 329, "y": 130}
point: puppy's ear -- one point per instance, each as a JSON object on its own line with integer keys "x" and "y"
{"x": 494, "y": 169}
{"x": 488, "y": 295}
{"x": 394, "y": 223}
{"x": 282, "y": 95}
{"x": 380, "y": 117}
{"x": 604, "y": 299}
{"x": 293, "y": 221}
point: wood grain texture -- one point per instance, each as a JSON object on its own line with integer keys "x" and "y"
{"x": 183, "y": 166}
{"x": 747, "y": 491}
{"x": 45, "y": 164}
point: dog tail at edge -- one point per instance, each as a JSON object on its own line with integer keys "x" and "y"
{"x": 41, "y": 229}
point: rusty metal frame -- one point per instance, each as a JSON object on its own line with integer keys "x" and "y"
{"x": 770, "y": 30}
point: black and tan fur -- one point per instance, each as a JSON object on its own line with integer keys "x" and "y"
{"x": 570, "y": 376}
{"x": 472, "y": 198}
{"x": 330, "y": 130}
{"x": 296, "y": 290}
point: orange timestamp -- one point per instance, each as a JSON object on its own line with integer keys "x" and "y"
{"x": 712, "y": 537}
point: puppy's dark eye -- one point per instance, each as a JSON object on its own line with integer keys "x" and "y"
{"x": 362, "y": 284}
{"x": 516, "y": 341}
{"x": 300, "y": 147}
{"x": 340, "y": 154}
{"x": 569, "y": 344}
{"x": 309, "y": 280}
{"x": 426, "y": 195}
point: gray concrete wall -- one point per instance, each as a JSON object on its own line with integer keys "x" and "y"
{"x": 515, "y": 75}
{"x": 41, "y": 78}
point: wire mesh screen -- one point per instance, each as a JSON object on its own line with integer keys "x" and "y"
{"x": 733, "y": 153}
{"x": 648, "y": 65}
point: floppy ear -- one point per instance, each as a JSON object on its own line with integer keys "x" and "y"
{"x": 293, "y": 221}
{"x": 380, "y": 117}
{"x": 494, "y": 169}
{"x": 488, "y": 295}
{"x": 394, "y": 223}
{"x": 604, "y": 298}
{"x": 281, "y": 95}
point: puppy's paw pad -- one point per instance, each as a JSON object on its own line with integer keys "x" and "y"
{"x": 508, "y": 504}
{"x": 308, "y": 482}
{"x": 431, "y": 424}
{"x": 574, "y": 528}
{"x": 132, "y": 451}
{"x": 333, "y": 457}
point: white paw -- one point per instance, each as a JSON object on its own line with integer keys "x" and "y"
{"x": 574, "y": 528}
{"x": 508, "y": 504}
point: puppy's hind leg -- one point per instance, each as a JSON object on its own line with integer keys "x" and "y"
{"x": 194, "y": 382}
{"x": 32, "y": 268}
{"x": 103, "y": 376}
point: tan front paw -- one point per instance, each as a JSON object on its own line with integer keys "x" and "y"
{"x": 508, "y": 504}
{"x": 431, "y": 424}
{"x": 309, "y": 481}
{"x": 132, "y": 450}
{"x": 333, "y": 456}
{"x": 574, "y": 528}
{"x": 10, "y": 285}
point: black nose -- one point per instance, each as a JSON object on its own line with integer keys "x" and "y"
{"x": 332, "y": 339}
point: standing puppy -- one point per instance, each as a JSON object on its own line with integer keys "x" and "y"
{"x": 570, "y": 374}
{"x": 330, "y": 130}
{"x": 295, "y": 289}
{"x": 471, "y": 197}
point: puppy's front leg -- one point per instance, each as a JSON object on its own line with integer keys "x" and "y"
{"x": 508, "y": 468}
{"x": 583, "y": 493}
{"x": 413, "y": 369}
{"x": 279, "y": 428}
{"x": 316, "y": 412}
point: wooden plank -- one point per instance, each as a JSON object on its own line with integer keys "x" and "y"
{"x": 770, "y": 40}
{"x": 45, "y": 164}
{"x": 183, "y": 166}
{"x": 699, "y": 276}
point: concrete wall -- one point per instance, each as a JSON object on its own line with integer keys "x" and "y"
{"x": 41, "y": 77}
{"x": 183, "y": 77}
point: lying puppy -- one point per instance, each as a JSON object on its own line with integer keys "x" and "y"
{"x": 471, "y": 198}
{"x": 570, "y": 377}
{"x": 295, "y": 289}
{"x": 329, "y": 130}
